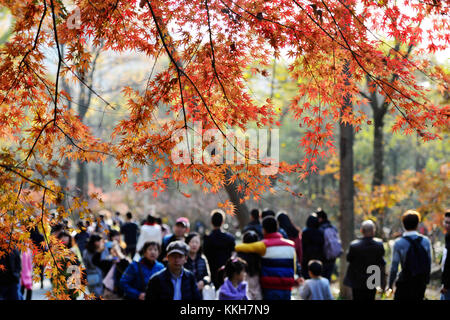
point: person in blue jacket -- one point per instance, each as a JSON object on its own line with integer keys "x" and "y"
{"x": 135, "y": 278}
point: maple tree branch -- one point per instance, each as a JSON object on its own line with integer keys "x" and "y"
{"x": 261, "y": 18}
{"x": 364, "y": 95}
{"x": 60, "y": 59}
{"x": 45, "y": 234}
{"x": 28, "y": 52}
{"x": 181, "y": 72}
{"x": 11, "y": 169}
{"x": 376, "y": 80}
{"x": 89, "y": 87}
{"x": 213, "y": 60}
{"x": 321, "y": 28}
{"x": 80, "y": 148}
{"x": 396, "y": 48}
{"x": 35, "y": 142}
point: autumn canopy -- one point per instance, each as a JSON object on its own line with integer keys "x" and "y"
{"x": 333, "y": 47}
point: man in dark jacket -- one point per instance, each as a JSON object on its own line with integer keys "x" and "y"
{"x": 10, "y": 276}
{"x": 130, "y": 231}
{"x": 218, "y": 246}
{"x": 174, "y": 282}
{"x": 446, "y": 260}
{"x": 365, "y": 252}
{"x": 82, "y": 237}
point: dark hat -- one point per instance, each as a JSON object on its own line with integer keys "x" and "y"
{"x": 178, "y": 246}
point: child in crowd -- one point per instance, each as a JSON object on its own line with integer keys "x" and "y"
{"x": 234, "y": 286}
{"x": 253, "y": 267}
{"x": 316, "y": 288}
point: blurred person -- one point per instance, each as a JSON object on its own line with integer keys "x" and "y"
{"x": 278, "y": 263}
{"x": 118, "y": 220}
{"x": 271, "y": 213}
{"x": 253, "y": 261}
{"x": 312, "y": 243}
{"x": 332, "y": 244}
{"x": 165, "y": 229}
{"x": 413, "y": 252}
{"x": 150, "y": 231}
{"x": 234, "y": 286}
{"x": 180, "y": 229}
{"x": 362, "y": 253}
{"x": 445, "y": 291}
{"x": 218, "y": 246}
{"x": 130, "y": 231}
{"x": 254, "y": 223}
{"x": 196, "y": 261}
{"x": 94, "y": 274}
{"x": 82, "y": 236}
{"x": 10, "y": 276}
{"x": 293, "y": 234}
{"x": 26, "y": 274}
{"x": 316, "y": 287}
{"x": 102, "y": 226}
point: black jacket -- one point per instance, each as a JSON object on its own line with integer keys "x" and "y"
{"x": 160, "y": 286}
{"x": 130, "y": 231}
{"x": 446, "y": 272}
{"x": 12, "y": 263}
{"x": 312, "y": 243}
{"x": 361, "y": 254}
{"x": 199, "y": 267}
{"x": 255, "y": 226}
{"x": 217, "y": 247}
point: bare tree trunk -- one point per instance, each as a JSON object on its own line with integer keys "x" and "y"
{"x": 82, "y": 179}
{"x": 378, "y": 159}
{"x": 346, "y": 192}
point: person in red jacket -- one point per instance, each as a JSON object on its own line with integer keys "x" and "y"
{"x": 278, "y": 262}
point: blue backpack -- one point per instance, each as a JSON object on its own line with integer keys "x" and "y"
{"x": 332, "y": 247}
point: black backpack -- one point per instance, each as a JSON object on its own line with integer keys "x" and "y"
{"x": 417, "y": 262}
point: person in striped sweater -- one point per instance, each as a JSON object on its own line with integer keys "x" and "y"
{"x": 278, "y": 261}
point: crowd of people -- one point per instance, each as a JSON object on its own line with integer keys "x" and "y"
{"x": 124, "y": 259}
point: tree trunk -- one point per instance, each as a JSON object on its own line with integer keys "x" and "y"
{"x": 241, "y": 209}
{"x": 64, "y": 180}
{"x": 378, "y": 152}
{"x": 378, "y": 160}
{"x": 82, "y": 179}
{"x": 346, "y": 193}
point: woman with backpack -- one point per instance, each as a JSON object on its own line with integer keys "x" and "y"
{"x": 332, "y": 244}
{"x": 135, "y": 278}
